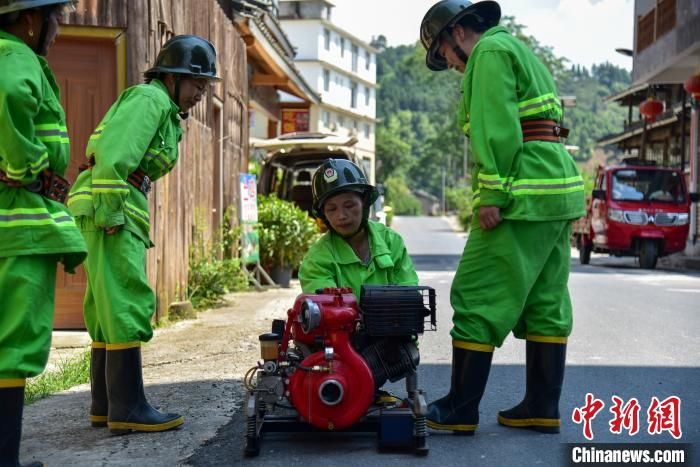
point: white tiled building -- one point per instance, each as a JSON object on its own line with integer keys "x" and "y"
{"x": 341, "y": 68}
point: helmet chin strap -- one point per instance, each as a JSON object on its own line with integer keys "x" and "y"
{"x": 461, "y": 54}
{"x": 183, "y": 115}
{"x": 42, "y": 48}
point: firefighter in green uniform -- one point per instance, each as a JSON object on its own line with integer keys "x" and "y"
{"x": 355, "y": 250}
{"x": 36, "y": 230}
{"x": 514, "y": 271}
{"x": 135, "y": 143}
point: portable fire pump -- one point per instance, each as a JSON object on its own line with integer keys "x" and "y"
{"x": 323, "y": 368}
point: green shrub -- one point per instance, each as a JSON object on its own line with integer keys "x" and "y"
{"x": 400, "y": 198}
{"x": 215, "y": 268}
{"x": 459, "y": 199}
{"x": 286, "y": 232}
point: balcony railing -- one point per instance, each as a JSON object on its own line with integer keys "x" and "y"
{"x": 656, "y": 23}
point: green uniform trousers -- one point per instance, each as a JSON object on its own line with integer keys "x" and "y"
{"x": 514, "y": 278}
{"x": 27, "y": 290}
{"x": 119, "y": 302}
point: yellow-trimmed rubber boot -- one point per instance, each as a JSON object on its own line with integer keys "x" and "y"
{"x": 128, "y": 408}
{"x": 539, "y": 409}
{"x": 459, "y": 410}
{"x": 98, "y": 385}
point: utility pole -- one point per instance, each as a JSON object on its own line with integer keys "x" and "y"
{"x": 442, "y": 204}
{"x": 465, "y": 157}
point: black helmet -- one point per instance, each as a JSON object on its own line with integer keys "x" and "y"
{"x": 10, "y": 6}
{"x": 186, "y": 55}
{"x": 446, "y": 14}
{"x": 335, "y": 176}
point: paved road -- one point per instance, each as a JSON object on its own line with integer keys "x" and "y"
{"x": 635, "y": 336}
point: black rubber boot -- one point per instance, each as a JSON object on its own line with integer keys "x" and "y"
{"x": 459, "y": 410}
{"x": 11, "y": 406}
{"x": 98, "y": 385}
{"x": 539, "y": 409}
{"x": 128, "y": 408}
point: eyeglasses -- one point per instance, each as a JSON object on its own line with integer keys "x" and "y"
{"x": 202, "y": 87}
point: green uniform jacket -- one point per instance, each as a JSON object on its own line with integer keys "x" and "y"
{"x": 504, "y": 83}
{"x": 33, "y": 137}
{"x": 140, "y": 130}
{"x": 331, "y": 262}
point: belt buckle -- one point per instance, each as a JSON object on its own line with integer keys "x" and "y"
{"x": 557, "y": 130}
{"x": 36, "y": 186}
{"x": 146, "y": 185}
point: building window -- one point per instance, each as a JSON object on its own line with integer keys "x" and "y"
{"x": 326, "y": 39}
{"x": 328, "y": 13}
{"x": 326, "y": 80}
{"x": 354, "y": 125}
{"x": 326, "y": 118}
{"x": 367, "y": 91}
{"x": 368, "y": 59}
{"x": 353, "y": 95}
{"x": 342, "y": 46}
{"x": 341, "y": 121}
{"x": 367, "y": 130}
{"x": 354, "y": 57}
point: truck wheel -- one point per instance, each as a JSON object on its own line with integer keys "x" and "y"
{"x": 584, "y": 250}
{"x": 648, "y": 254}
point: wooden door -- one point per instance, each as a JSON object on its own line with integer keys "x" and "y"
{"x": 86, "y": 71}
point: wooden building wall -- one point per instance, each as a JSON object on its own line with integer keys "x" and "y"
{"x": 215, "y": 142}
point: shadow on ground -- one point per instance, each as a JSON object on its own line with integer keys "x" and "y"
{"x": 493, "y": 444}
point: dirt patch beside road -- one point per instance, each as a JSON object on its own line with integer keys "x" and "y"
{"x": 193, "y": 367}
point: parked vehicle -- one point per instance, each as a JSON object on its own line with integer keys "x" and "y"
{"x": 636, "y": 209}
{"x": 293, "y": 158}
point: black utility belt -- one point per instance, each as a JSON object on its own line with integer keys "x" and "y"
{"x": 47, "y": 184}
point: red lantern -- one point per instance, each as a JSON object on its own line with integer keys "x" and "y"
{"x": 650, "y": 108}
{"x": 692, "y": 85}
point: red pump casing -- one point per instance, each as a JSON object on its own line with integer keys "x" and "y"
{"x": 338, "y": 395}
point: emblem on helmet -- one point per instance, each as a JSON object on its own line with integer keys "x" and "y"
{"x": 330, "y": 175}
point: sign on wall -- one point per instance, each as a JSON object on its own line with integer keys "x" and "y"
{"x": 250, "y": 251}
{"x": 295, "y": 120}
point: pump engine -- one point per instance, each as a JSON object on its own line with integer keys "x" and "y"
{"x": 328, "y": 360}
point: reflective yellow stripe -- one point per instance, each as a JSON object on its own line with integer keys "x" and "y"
{"x": 109, "y": 181}
{"x": 440, "y": 426}
{"x": 472, "y": 346}
{"x": 98, "y": 345}
{"x": 494, "y": 182}
{"x": 547, "y": 339}
{"x": 103, "y": 185}
{"x": 146, "y": 427}
{"x": 80, "y": 196}
{"x": 157, "y": 156}
{"x": 97, "y": 133}
{"x": 539, "y": 104}
{"x": 124, "y": 346}
{"x": 552, "y": 186}
{"x": 476, "y": 199}
{"x": 135, "y": 213}
{"x": 34, "y": 167}
{"x": 34, "y": 216}
{"x": 12, "y": 383}
{"x": 139, "y": 215}
{"x": 523, "y": 422}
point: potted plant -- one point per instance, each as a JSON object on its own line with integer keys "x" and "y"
{"x": 286, "y": 233}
